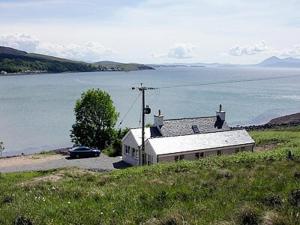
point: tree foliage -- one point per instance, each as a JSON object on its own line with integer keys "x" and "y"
{"x": 96, "y": 117}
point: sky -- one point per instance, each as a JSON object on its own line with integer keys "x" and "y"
{"x": 154, "y": 31}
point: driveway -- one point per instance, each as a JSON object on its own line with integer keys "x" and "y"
{"x": 46, "y": 162}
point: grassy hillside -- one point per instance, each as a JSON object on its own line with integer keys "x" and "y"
{"x": 247, "y": 188}
{"x": 15, "y": 61}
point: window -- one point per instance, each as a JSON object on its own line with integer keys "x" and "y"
{"x": 195, "y": 129}
{"x": 127, "y": 149}
{"x": 219, "y": 152}
{"x": 199, "y": 155}
{"x": 133, "y": 153}
{"x": 149, "y": 159}
{"x": 179, "y": 157}
{"x": 243, "y": 148}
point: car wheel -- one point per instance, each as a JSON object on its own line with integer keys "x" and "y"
{"x": 77, "y": 156}
{"x": 96, "y": 155}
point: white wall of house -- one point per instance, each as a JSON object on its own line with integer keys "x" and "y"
{"x": 130, "y": 149}
{"x": 151, "y": 156}
{"x": 175, "y": 148}
{"x": 198, "y": 154}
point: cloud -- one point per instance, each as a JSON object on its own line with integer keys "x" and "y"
{"x": 249, "y": 50}
{"x": 20, "y": 41}
{"x": 291, "y": 52}
{"x": 89, "y": 51}
{"x": 179, "y": 51}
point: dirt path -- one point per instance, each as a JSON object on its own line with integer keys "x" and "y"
{"x": 46, "y": 162}
{"x": 27, "y": 160}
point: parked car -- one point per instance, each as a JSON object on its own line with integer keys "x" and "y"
{"x": 83, "y": 151}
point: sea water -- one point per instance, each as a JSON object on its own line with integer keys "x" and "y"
{"x": 36, "y": 111}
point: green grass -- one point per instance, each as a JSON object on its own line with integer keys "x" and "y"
{"x": 255, "y": 187}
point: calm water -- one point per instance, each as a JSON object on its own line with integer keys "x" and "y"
{"x": 36, "y": 111}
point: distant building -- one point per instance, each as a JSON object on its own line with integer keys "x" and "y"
{"x": 185, "y": 138}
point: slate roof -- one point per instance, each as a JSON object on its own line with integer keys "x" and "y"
{"x": 183, "y": 126}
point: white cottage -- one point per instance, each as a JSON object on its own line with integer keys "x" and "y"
{"x": 185, "y": 138}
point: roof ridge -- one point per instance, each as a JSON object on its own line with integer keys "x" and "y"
{"x": 186, "y": 118}
{"x": 195, "y": 134}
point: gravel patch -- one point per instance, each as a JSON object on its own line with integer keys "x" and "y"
{"x": 37, "y": 162}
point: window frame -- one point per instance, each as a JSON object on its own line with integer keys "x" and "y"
{"x": 127, "y": 149}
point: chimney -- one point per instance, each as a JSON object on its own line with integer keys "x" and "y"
{"x": 221, "y": 113}
{"x": 158, "y": 120}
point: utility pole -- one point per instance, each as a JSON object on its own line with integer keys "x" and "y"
{"x": 145, "y": 110}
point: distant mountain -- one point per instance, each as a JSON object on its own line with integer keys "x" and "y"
{"x": 277, "y": 62}
{"x": 270, "y": 62}
{"x": 116, "y": 66}
{"x": 20, "y": 62}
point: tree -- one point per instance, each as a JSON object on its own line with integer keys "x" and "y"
{"x": 96, "y": 117}
{"x": 1, "y": 148}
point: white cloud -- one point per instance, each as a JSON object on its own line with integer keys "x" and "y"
{"x": 182, "y": 51}
{"x": 89, "y": 51}
{"x": 179, "y": 51}
{"x": 291, "y": 52}
{"x": 249, "y": 50}
{"x": 20, "y": 41}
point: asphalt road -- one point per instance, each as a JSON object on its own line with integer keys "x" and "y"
{"x": 32, "y": 163}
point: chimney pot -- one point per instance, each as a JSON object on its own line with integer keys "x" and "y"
{"x": 158, "y": 119}
{"x": 221, "y": 113}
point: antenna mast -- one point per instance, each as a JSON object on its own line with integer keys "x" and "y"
{"x": 145, "y": 110}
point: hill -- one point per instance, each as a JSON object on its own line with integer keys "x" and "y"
{"x": 116, "y": 66}
{"x": 246, "y": 188}
{"x": 277, "y": 62}
{"x": 286, "y": 120}
{"x": 15, "y": 61}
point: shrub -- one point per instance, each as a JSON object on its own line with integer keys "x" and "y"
{"x": 7, "y": 199}
{"x": 297, "y": 175}
{"x": 247, "y": 215}
{"x": 172, "y": 219}
{"x": 224, "y": 173}
{"x": 294, "y": 198}
{"x": 272, "y": 200}
{"x": 110, "y": 151}
{"x": 20, "y": 220}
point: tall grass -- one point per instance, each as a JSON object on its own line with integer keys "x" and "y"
{"x": 258, "y": 187}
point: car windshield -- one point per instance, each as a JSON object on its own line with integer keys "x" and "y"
{"x": 80, "y": 149}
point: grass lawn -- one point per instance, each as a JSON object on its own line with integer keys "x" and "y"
{"x": 247, "y": 188}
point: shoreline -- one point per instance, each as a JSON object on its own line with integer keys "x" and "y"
{"x": 46, "y": 72}
{"x": 287, "y": 121}
{"x": 58, "y": 151}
